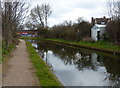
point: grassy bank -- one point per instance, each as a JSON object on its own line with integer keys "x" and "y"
{"x": 44, "y": 74}
{"x": 99, "y": 45}
{"x": 30, "y": 38}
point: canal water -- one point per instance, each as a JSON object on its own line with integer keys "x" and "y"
{"x": 76, "y": 66}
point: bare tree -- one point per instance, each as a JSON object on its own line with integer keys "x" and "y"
{"x": 13, "y": 16}
{"x": 0, "y": 23}
{"x": 71, "y": 31}
{"x": 47, "y": 11}
{"x": 113, "y": 7}
{"x": 30, "y": 25}
{"x": 40, "y": 14}
{"x": 113, "y": 27}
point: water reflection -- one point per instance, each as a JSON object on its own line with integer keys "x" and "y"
{"x": 80, "y": 67}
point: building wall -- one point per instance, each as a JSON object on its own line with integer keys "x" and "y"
{"x": 102, "y": 31}
{"x": 94, "y": 34}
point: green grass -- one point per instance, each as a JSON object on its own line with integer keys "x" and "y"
{"x": 99, "y": 45}
{"x": 44, "y": 74}
{"x": 102, "y": 45}
{"x": 6, "y": 51}
{"x": 30, "y": 38}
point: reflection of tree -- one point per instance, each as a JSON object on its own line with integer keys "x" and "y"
{"x": 84, "y": 60}
{"x": 68, "y": 55}
{"x": 112, "y": 65}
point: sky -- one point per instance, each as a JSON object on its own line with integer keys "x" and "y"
{"x": 71, "y": 10}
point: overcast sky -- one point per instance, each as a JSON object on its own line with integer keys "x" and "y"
{"x": 73, "y": 9}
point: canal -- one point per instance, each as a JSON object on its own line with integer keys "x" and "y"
{"x": 76, "y": 66}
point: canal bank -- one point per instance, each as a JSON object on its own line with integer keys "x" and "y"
{"x": 43, "y": 72}
{"x": 99, "y": 46}
{"x": 108, "y": 49}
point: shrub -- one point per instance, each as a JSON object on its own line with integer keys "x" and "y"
{"x": 105, "y": 37}
{"x": 88, "y": 40}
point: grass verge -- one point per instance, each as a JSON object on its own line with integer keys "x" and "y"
{"x": 44, "y": 74}
{"x": 30, "y": 38}
{"x": 99, "y": 45}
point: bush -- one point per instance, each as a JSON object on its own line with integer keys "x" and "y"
{"x": 105, "y": 37}
{"x": 7, "y": 49}
{"x": 113, "y": 30}
{"x": 43, "y": 32}
{"x": 88, "y": 40}
{"x": 75, "y": 31}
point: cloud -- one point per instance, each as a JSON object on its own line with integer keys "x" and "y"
{"x": 72, "y": 9}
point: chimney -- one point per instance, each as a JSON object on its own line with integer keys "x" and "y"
{"x": 92, "y": 21}
{"x": 104, "y": 17}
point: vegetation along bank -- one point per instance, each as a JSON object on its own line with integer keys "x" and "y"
{"x": 100, "y": 45}
{"x": 43, "y": 72}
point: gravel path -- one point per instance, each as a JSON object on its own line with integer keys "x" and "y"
{"x": 18, "y": 70}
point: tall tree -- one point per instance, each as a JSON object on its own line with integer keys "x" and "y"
{"x": 113, "y": 7}
{"x": 40, "y": 14}
{"x": 113, "y": 27}
{"x": 13, "y": 16}
{"x": 47, "y": 12}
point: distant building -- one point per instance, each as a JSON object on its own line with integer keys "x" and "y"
{"x": 97, "y": 31}
{"x": 98, "y": 28}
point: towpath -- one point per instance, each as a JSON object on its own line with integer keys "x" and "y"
{"x": 18, "y": 70}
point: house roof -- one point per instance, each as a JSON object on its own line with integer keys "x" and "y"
{"x": 103, "y": 20}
